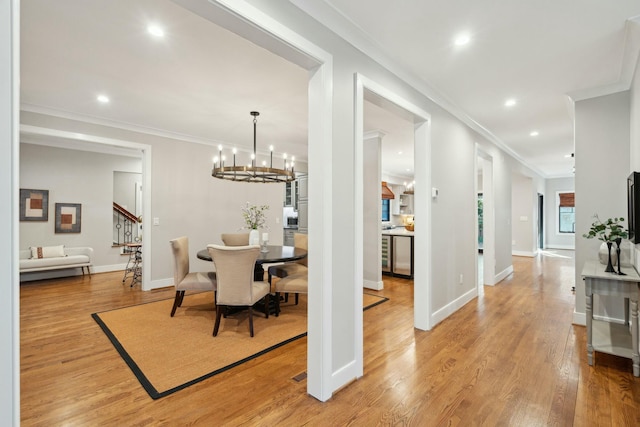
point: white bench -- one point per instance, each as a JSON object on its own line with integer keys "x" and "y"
{"x": 74, "y": 258}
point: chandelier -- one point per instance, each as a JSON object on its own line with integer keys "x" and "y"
{"x": 253, "y": 172}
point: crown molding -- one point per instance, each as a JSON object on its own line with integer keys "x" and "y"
{"x": 628, "y": 67}
{"x": 327, "y": 15}
{"x": 85, "y": 118}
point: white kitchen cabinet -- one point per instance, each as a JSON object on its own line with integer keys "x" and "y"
{"x": 405, "y": 204}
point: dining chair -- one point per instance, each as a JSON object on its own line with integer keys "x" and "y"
{"x": 183, "y": 280}
{"x": 295, "y": 283}
{"x": 235, "y": 284}
{"x": 235, "y": 239}
{"x": 290, "y": 268}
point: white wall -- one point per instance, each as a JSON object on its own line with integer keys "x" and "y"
{"x": 73, "y": 176}
{"x": 554, "y": 239}
{"x": 601, "y": 149}
{"x": 522, "y": 210}
{"x": 372, "y": 212}
{"x": 185, "y": 198}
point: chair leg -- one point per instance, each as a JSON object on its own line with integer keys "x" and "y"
{"x": 297, "y": 295}
{"x": 251, "y": 321}
{"x": 177, "y": 302}
{"x": 277, "y": 304}
{"x": 217, "y": 325}
{"x": 266, "y": 305}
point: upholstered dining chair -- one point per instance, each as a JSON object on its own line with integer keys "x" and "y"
{"x": 295, "y": 283}
{"x": 183, "y": 280}
{"x": 235, "y": 284}
{"x": 291, "y": 268}
{"x": 235, "y": 239}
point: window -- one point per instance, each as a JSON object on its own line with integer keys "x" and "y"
{"x": 386, "y": 210}
{"x": 566, "y": 213}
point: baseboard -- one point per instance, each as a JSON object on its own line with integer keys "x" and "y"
{"x": 161, "y": 283}
{"x": 343, "y": 376}
{"x": 579, "y": 318}
{"x": 504, "y": 273}
{"x": 564, "y": 247}
{"x": 455, "y": 305}
{"x": 108, "y": 268}
{"x": 376, "y": 286}
{"x": 523, "y": 253}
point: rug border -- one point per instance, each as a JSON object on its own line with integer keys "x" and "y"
{"x": 144, "y": 381}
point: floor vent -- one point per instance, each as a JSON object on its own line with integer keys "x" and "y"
{"x": 300, "y": 377}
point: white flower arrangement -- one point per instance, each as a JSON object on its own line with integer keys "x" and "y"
{"x": 254, "y": 216}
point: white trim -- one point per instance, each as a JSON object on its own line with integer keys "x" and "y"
{"x": 253, "y": 24}
{"x": 9, "y": 185}
{"x": 161, "y": 283}
{"x": 376, "y": 286}
{"x": 346, "y": 374}
{"x": 422, "y": 204}
{"x": 453, "y": 306}
{"x": 146, "y": 179}
{"x": 524, "y": 253}
{"x": 566, "y": 247}
{"x": 504, "y": 273}
{"x": 579, "y": 318}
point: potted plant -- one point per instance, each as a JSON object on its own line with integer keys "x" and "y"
{"x": 610, "y": 231}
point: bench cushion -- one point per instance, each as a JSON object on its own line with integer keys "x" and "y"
{"x": 47, "y": 251}
{"x": 28, "y": 264}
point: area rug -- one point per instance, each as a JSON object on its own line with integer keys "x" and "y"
{"x": 168, "y": 354}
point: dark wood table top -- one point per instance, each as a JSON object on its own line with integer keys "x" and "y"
{"x": 274, "y": 254}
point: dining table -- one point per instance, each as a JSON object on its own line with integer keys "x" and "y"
{"x": 269, "y": 254}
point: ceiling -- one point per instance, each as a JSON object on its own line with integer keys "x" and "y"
{"x": 199, "y": 82}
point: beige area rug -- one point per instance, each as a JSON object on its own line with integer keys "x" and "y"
{"x": 168, "y": 354}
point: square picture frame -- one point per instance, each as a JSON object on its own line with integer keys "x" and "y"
{"x": 68, "y": 217}
{"x": 34, "y": 205}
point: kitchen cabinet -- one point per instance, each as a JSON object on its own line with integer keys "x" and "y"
{"x": 397, "y": 252}
{"x": 405, "y": 204}
{"x": 288, "y": 238}
{"x": 290, "y": 191}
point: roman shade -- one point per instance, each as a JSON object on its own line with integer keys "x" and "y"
{"x": 567, "y": 200}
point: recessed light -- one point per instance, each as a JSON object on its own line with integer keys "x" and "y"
{"x": 534, "y": 133}
{"x": 462, "y": 40}
{"x": 103, "y": 99}
{"x": 510, "y": 102}
{"x": 155, "y": 30}
{"x": 400, "y": 152}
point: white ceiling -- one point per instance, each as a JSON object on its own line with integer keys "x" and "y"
{"x": 200, "y": 82}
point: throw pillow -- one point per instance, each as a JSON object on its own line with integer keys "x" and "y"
{"x": 47, "y": 251}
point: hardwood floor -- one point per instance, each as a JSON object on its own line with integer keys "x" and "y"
{"x": 511, "y": 357}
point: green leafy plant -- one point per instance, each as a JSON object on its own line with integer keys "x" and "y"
{"x": 608, "y": 231}
{"x": 254, "y": 216}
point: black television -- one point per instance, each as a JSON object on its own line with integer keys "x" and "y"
{"x": 633, "y": 206}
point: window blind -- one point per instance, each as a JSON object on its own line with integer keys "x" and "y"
{"x": 567, "y": 200}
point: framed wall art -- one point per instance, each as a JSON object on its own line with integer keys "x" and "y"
{"x": 34, "y": 205}
{"x": 68, "y": 217}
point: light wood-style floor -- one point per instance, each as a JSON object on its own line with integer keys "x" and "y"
{"x": 511, "y": 358}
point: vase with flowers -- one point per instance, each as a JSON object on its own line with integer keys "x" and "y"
{"x": 254, "y": 217}
{"x": 611, "y": 231}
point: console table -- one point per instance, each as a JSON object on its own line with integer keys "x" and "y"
{"x": 608, "y": 337}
